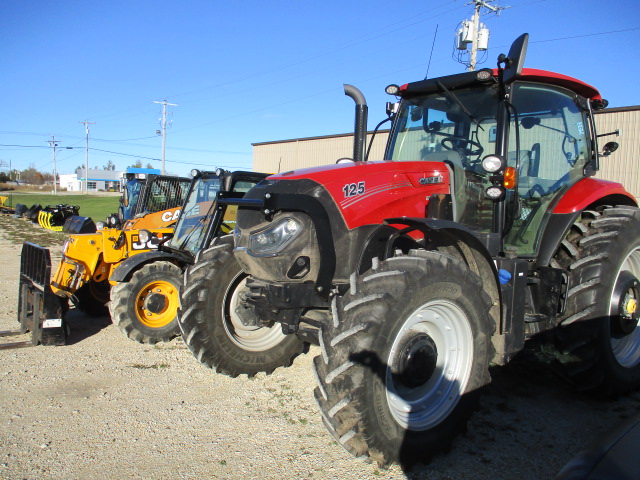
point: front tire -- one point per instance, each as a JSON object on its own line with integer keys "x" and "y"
{"x": 213, "y": 330}
{"x": 405, "y": 357}
{"x": 145, "y": 307}
{"x": 598, "y": 340}
{"x": 92, "y": 298}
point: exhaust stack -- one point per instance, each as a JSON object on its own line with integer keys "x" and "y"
{"x": 360, "y": 129}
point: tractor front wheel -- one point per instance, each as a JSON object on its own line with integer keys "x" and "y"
{"x": 145, "y": 307}
{"x": 92, "y": 298}
{"x": 405, "y": 357}
{"x": 226, "y": 340}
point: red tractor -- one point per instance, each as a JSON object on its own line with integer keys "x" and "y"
{"x": 482, "y": 228}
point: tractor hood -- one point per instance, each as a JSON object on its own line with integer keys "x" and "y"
{"x": 337, "y": 205}
{"x": 394, "y": 188}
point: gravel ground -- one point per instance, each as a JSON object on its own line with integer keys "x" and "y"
{"x": 104, "y": 407}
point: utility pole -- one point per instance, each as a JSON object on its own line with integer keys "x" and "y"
{"x": 86, "y": 157}
{"x": 53, "y": 144}
{"x": 475, "y": 33}
{"x": 163, "y": 122}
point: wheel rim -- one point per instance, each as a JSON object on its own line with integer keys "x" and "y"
{"x": 249, "y": 338}
{"x": 627, "y": 348}
{"x": 157, "y": 304}
{"x": 443, "y": 328}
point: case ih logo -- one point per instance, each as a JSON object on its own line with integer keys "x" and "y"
{"x": 430, "y": 180}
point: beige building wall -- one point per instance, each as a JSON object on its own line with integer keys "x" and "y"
{"x": 274, "y": 157}
{"x": 623, "y": 166}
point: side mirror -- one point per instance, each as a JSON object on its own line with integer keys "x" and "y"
{"x": 609, "y": 148}
{"x": 515, "y": 59}
{"x": 529, "y": 122}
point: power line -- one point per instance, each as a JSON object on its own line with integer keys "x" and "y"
{"x": 587, "y": 35}
{"x": 341, "y": 47}
{"x": 125, "y": 154}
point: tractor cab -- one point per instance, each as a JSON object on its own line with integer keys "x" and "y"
{"x": 202, "y": 218}
{"x": 505, "y": 174}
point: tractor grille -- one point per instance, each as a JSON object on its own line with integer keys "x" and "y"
{"x": 35, "y": 264}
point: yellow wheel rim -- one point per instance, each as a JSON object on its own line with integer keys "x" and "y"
{"x": 157, "y": 304}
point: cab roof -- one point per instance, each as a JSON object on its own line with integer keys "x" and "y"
{"x": 468, "y": 79}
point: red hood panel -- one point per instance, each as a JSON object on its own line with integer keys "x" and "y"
{"x": 369, "y": 192}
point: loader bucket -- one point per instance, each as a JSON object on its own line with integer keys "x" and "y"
{"x": 40, "y": 311}
{"x": 78, "y": 224}
{"x": 32, "y": 212}
{"x": 20, "y": 209}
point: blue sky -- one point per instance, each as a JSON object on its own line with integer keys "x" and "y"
{"x": 251, "y": 71}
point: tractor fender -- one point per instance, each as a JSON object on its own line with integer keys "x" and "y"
{"x": 587, "y": 194}
{"x": 444, "y": 235}
{"x": 123, "y": 271}
{"x": 593, "y": 191}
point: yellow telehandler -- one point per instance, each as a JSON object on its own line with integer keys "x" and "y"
{"x": 148, "y": 210}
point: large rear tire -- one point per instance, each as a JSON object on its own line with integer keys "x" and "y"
{"x": 598, "y": 340}
{"x": 145, "y": 308}
{"x": 404, "y": 358}
{"x": 213, "y": 330}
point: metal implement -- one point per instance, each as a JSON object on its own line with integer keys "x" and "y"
{"x": 39, "y": 309}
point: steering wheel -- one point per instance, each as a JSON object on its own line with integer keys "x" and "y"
{"x": 462, "y": 144}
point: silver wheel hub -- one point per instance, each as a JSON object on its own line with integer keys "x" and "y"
{"x": 625, "y": 332}
{"x": 429, "y": 365}
{"x": 249, "y": 337}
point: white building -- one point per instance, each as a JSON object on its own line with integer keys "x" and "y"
{"x": 98, "y": 180}
{"x": 70, "y": 182}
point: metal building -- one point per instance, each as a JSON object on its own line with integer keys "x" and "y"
{"x": 621, "y": 166}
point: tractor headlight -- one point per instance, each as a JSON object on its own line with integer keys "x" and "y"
{"x": 492, "y": 163}
{"x": 495, "y": 192}
{"x": 272, "y": 240}
{"x": 144, "y": 236}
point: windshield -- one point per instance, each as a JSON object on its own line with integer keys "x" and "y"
{"x": 196, "y": 215}
{"x": 130, "y": 197}
{"x": 459, "y": 128}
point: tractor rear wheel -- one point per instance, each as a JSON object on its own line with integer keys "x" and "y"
{"x": 145, "y": 307}
{"x": 405, "y": 357}
{"x": 598, "y": 339}
{"x": 214, "y": 331}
